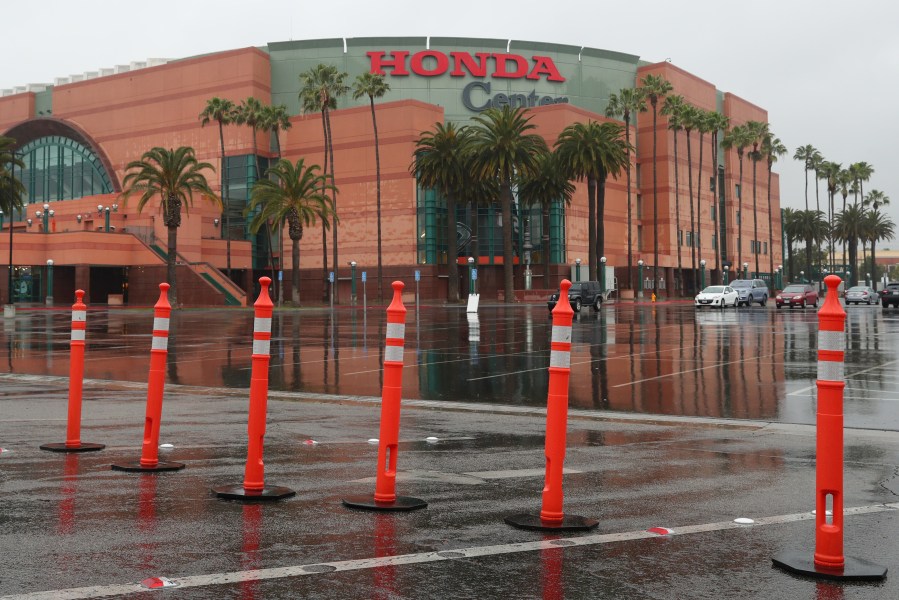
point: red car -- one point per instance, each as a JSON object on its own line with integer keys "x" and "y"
{"x": 797, "y": 294}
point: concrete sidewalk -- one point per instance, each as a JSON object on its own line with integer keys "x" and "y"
{"x": 72, "y": 528}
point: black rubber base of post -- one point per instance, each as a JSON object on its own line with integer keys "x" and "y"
{"x": 535, "y": 523}
{"x": 402, "y": 503}
{"x": 82, "y": 447}
{"x": 803, "y": 563}
{"x": 266, "y": 494}
{"x": 136, "y": 467}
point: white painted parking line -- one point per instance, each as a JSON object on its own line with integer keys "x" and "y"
{"x": 320, "y": 568}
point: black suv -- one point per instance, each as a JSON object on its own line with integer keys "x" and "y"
{"x": 890, "y": 295}
{"x": 582, "y": 293}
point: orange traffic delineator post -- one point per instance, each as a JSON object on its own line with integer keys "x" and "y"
{"x": 253, "y": 487}
{"x": 149, "y": 458}
{"x": 828, "y": 561}
{"x": 73, "y": 441}
{"x": 385, "y": 497}
{"x": 552, "y": 517}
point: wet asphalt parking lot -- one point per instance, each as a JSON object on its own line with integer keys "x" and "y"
{"x": 679, "y": 418}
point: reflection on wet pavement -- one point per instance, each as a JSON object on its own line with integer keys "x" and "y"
{"x": 757, "y": 363}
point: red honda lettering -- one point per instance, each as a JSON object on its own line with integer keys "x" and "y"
{"x": 398, "y": 63}
{"x": 418, "y": 63}
{"x": 464, "y": 59}
{"x": 544, "y": 65}
{"x": 502, "y": 60}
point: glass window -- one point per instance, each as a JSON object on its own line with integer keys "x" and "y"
{"x": 58, "y": 168}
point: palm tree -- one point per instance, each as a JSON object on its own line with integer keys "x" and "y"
{"x": 629, "y": 100}
{"x": 790, "y": 225}
{"x": 276, "y": 119}
{"x": 704, "y": 124}
{"x": 845, "y": 181}
{"x": 812, "y": 227}
{"x": 221, "y": 110}
{"x": 654, "y": 88}
{"x": 830, "y": 172}
{"x": 175, "y": 176}
{"x": 861, "y": 172}
{"x": 504, "y": 148}
{"x": 673, "y": 109}
{"x": 690, "y": 117}
{"x": 441, "y": 162}
{"x": 849, "y": 227}
{"x": 772, "y": 148}
{"x": 612, "y": 160}
{"x": 807, "y": 155}
{"x": 878, "y": 227}
{"x": 739, "y": 138}
{"x": 320, "y": 87}
{"x": 374, "y": 86}
{"x": 717, "y": 123}
{"x": 295, "y": 195}
{"x": 11, "y": 191}
{"x": 757, "y": 132}
{"x": 548, "y": 184}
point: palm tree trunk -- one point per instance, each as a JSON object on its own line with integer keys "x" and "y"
{"x": 680, "y": 268}
{"x": 171, "y": 269}
{"x": 755, "y": 214}
{"x": 508, "y": 283}
{"x": 225, "y": 203}
{"x": 740, "y": 219}
{"x": 874, "y": 277}
{"x": 630, "y": 253}
{"x": 600, "y": 222}
{"x": 716, "y": 227}
{"x": 591, "y": 220}
{"x": 655, "y": 202}
{"x": 699, "y": 187}
{"x": 334, "y": 208}
{"x": 806, "y": 187}
{"x": 692, "y": 216}
{"x": 374, "y": 122}
{"x": 770, "y": 229}
{"x": 452, "y": 265}
{"x": 268, "y": 230}
{"x": 325, "y": 284}
{"x": 295, "y": 271}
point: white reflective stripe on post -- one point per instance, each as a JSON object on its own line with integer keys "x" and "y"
{"x": 393, "y": 353}
{"x": 160, "y": 342}
{"x": 832, "y": 340}
{"x": 79, "y": 315}
{"x": 396, "y": 330}
{"x": 561, "y": 334}
{"x": 160, "y": 324}
{"x": 559, "y": 358}
{"x": 830, "y": 370}
{"x": 261, "y": 347}
{"x": 262, "y": 325}
{"x": 78, "y": 335}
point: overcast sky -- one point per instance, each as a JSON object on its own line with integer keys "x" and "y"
{"x": 826, "y": 71}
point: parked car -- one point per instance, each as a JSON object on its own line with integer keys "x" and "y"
{"x": 581, "y": 293}
{"x": 861, "y": 294}
{"x": 890, "y": 295}
{"x": 798, "y": 294}
{"x": 721, "y": 296}
{"x": 751, "y": 290}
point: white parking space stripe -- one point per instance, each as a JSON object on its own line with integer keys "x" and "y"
{"x": 429, "y": 557}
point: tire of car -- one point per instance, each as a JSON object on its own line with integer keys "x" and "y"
{"x": 815, "y": 304}
{"x": 763, "y": 301}
{"x": 883, "y": 304}
{"x": 597, "y": 304}
{"x": 577, "y": 305}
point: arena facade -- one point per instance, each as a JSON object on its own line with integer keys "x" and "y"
{"x": 77, "y": 134}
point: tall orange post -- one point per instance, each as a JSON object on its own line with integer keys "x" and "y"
{"x": 552, "y": 517}
{"x": 73, "y": 441}
{"x": 385, "y": 497}
{"x": 828, "y": 560}
{"x": 159, "y": 351}
{"x": 254, "y": 487}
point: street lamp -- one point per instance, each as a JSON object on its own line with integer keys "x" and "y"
{"x": 602, "y": 275}
{"x": 745, "y": 270}
{"x": 802, "y": 276}
{"x": 780, "y": 276}
{"x": 702, "y": 274}
{"x": 577, "y": 271}
{"x": 44, "y": 215}
{"x": 49, "y": 300}
{"x": 471, "y": 279}
{"x": 640, "y": 278}
{"x": 867, "y": 279}
{"x": 353, "y": 281}
{"x": 726, "y": 270}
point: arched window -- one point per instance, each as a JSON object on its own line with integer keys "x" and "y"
{"x": 60, "y": 168}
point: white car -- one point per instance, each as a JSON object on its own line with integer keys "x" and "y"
{"x": 719, "y": 296}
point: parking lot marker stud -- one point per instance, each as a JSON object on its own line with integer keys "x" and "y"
{"x": 159, "y": 351}
{"x": 385, "y": 497}
{"x": 552, "y": 517}
{"x": 828, "y": 561}
{"x": 73, "y": 441}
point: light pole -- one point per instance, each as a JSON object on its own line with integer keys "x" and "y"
{"x": 49, "y": 300}
{"x": 640, "y": 278}
{"x": 726, "y": 273}
{"x": 702, "y": 273}
{"x": 867, "y": 279}
{"x": 602, "y": 275}
{"x": 802, "y": 276}
{"x": 471, "y": 279}
{"x": 745, "y": 270}
{"x": 44, "y": 216}
{"x": 353, "y": 281}
{"x": 577, "y": 270}
{"x": 780, "y": 277}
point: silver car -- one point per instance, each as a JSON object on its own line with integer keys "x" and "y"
{"x": 861, "y": 294}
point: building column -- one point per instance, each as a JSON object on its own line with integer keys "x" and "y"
{"x": 83, "y": 281}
